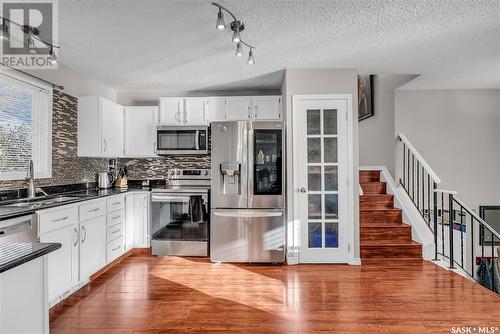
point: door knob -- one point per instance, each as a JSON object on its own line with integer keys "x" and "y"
{"x": 303, "y": 190}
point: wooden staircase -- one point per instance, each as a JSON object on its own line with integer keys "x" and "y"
{"x": 383, "y": 234}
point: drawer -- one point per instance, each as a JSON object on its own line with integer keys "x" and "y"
{"x": 55, "y": 219}
{"x": 115, "y": 231}
{"x": 115, "y": 217}
{"x": 92, "y": 209}
{"x": 114, "y": 249}
{"x": 115, "y": 203}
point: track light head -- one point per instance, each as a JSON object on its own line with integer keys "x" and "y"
{"x": 31, "y": 45}
{"x": 4, "y": 32}
{"x": 239, "y": 50}
{"x": 251, "y": 59}
{"x": 236, "y": 34}
{"x": 221, "y": 25}
{"x": 52, "y": 57}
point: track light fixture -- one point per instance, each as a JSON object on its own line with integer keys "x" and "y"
{"x": 239, "y": 50}
{"x": 4, "y": 33}
{"x": 31, "y": 34}
{"x": 237, "y": 27}
{"x": 221, "y": 25}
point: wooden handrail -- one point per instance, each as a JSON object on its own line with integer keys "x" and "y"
{"x": 422, "y": 161}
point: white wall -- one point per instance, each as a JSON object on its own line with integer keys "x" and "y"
{"x": 75, "y": 83}
{"x": 458, "y": 133}
{"x": 377, "y": 137}
{"x": 318, "y": 81}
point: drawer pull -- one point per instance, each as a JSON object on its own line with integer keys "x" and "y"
{"x": 116, "y": 217}
{"x": 115, "y": 231}
{"x": 116, "y": 248}
{"x": 60, "y": 219}
{"x": 116, "y": 203}
{"x": 94, "y": 210}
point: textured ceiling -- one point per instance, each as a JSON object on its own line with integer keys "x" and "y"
{"x": 173, "y": 45}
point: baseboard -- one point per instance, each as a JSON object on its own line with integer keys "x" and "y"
{"x": 111, "y": 265}
{"x": 141, "y": 251}
{"x": 356, "y": 261}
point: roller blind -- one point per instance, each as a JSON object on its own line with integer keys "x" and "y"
{"x": 25, "y": 127}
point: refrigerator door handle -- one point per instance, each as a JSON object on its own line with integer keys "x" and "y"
{"x": 248, "y": 214}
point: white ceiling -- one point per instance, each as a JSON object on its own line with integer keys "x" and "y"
{"x": 173, "y": 45}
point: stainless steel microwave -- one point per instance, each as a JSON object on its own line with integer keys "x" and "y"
{"x": 181, "y": 140}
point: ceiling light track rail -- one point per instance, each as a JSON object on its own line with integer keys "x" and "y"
{"x": 237, "y": 27}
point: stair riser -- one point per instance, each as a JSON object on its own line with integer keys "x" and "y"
{"x": 374, "y": 188}
{"x": 373, "y": 217}
{"x": 397, "y": 233}
{"x": 376, "y": 202}
{"x": 369, "y": 176}
{"x": 390, "y": 251}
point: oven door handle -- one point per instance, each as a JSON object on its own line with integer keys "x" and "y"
{"x": 248, "y": 214}
{"x": 169, "y": 198}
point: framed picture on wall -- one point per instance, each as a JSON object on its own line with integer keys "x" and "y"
{"x": 365, "y": 96}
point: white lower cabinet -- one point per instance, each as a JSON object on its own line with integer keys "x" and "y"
{"x": 92, "y": 234}
{"x": 61, "y": 226}
{"x": 141, "y": 220}
{"x": 92, "y": 243}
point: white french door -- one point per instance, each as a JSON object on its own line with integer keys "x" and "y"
{"x": 321, "y": 153}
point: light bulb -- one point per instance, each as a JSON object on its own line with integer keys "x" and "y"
{"x": 236, "y": 34}
{"x": 31, "y": 45}
{"x": 251, "y": 59}
{"x": 239, "y": 50}
{"x": 52, "y": 57}
{"x": 221, "y": 25}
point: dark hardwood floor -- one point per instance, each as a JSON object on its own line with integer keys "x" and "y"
{"x": 146, "y": 294}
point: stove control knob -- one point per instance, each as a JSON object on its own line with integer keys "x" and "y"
{"x": 205, "y": 172}
{"x": 178, "y": 172}
{"x": 172, "y": 173}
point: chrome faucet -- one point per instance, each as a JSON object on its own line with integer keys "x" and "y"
{"x": 30, "y": 181}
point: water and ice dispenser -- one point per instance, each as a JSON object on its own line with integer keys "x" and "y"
{"x": 231, "y": 178}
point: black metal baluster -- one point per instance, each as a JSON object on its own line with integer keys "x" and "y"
{"x": 450, "y": 222}
{"x": 481, "y": 233}
{"x": 473, "y": 274}
{"x": 423, "y": 192}
{"x": 429, "y": 199}
{"x": 435, "y": 215}
{"x": 461, "y": 235}
{"x": 413, "y": 178}
{"x": 408, "y": 174}
{"x": 492, "y": 261}
{"x": 404, "y": 166}
{"x": 418, "y": 181}
{"x": 442, "y": 224}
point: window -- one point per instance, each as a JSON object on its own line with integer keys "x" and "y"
{"x": 25, "y": 126}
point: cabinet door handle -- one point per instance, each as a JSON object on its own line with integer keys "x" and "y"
{"x": 94, "y": 210}
{"x": 116, "y": 217}
{"x": 178, "y": 116}
{"x": 84, "y": 234}
{"x": 249, "y": 114}
{"x": 116, "y": 248}
{"x": 256, "y": 109}
{"x": 77, "y": 237}
{"x": 60, "y": 219}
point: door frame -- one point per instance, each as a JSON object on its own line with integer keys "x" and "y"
{"x": 350, "y": 168}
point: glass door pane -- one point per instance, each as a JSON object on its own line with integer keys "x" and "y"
{"x": 268, "y": 162}
{"x": 322, "y": 178}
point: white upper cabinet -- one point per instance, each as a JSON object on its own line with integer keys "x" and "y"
{"x": 244, "y": 108}
{"x": 171, "y": 111}
{"x": 183, "y": 111}
{"x": 100, "y": 127}
{"x": 195, "y": 110}
{"x": 140, "y": 126}
{"x": 238, "y": 108}
{"x": 216, "y": 109}
{"x": 266, "y": 107}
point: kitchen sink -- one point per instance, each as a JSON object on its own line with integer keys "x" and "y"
{"x": 59, "y": 199}
{"x": 39, "y": 202}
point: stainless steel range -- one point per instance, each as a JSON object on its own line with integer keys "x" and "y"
{"x": 180, "y": 214}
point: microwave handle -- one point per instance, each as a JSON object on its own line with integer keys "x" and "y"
{"x": 198, "y": 139}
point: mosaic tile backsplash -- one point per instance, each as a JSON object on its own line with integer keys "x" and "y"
{"x": 68, "y": 168}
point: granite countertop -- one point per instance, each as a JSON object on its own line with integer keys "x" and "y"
{"x": 8, "y": 209}
{"x": 14, "y": 254}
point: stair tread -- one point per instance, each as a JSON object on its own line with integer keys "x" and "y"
{"x": 378, "y": 243}
{"x": 379, "y": 225}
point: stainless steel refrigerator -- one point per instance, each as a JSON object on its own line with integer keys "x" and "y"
{"x": 247, "y": 192}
